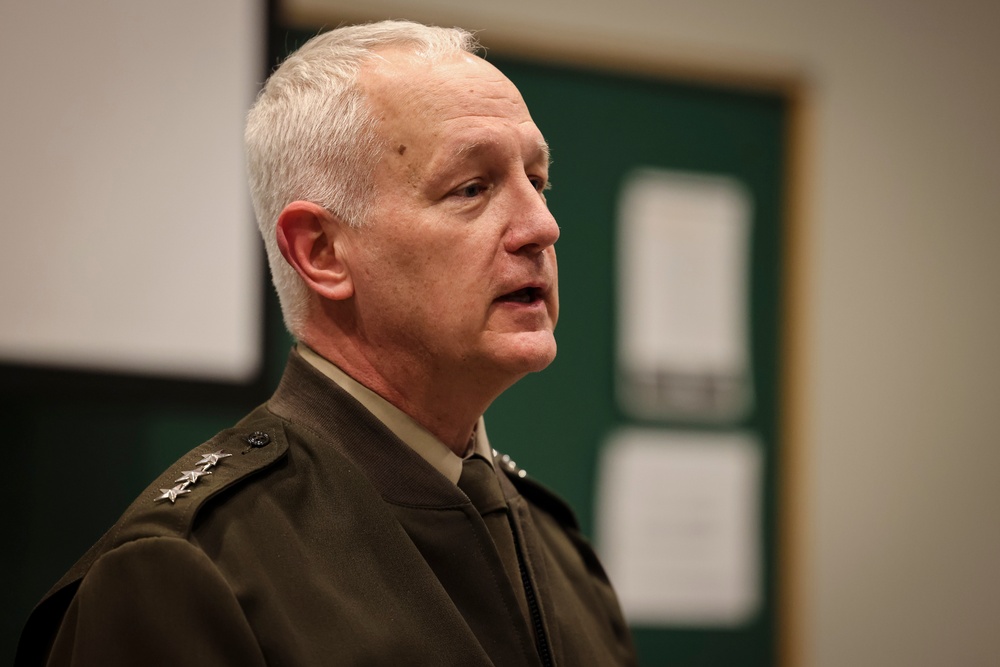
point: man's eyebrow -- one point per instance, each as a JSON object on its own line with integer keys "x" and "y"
{"x": 544, "y": 152}
{"x": 476, "y": 148}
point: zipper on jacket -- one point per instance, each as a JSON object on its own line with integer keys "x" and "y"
{"x": 541, "y": 639}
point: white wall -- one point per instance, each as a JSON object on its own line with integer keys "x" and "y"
{"x": 128, "y": 237}
{"x": 900, "y": 449}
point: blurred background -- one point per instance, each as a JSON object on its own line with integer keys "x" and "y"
{"x": 846, "y": 155}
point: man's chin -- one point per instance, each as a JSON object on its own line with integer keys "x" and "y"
{"x": 527, "y": 352}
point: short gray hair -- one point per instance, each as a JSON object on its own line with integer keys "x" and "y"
{"x": 312, "y": 136}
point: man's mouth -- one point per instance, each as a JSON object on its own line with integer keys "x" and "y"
{"x": 524, "y": 295}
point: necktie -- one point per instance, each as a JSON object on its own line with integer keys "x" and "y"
{"x": 480, "y": 484}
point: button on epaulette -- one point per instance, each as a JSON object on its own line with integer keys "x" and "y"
{"x": 257, "y": 439}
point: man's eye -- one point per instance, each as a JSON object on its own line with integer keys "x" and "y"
{"x": 540, "y": 183}
{"x": 471, "y": 190}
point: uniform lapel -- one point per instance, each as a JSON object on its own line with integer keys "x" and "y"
{"x": 438, "y": 518}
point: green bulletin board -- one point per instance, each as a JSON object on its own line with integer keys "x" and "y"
{"x": 601, "y": 127}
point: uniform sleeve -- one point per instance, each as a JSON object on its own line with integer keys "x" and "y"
{"x": 155, "y": 601}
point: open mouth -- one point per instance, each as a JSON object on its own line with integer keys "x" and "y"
{"x": 525, "y": 295}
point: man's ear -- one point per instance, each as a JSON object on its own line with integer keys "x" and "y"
{"x": 311, "y": 239}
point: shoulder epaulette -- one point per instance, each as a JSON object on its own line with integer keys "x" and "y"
{"x": 168, "y": 506}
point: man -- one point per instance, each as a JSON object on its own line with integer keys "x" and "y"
{"x": 360, "y": 516}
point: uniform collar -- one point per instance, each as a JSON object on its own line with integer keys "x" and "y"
{"x": 404, "y": 427}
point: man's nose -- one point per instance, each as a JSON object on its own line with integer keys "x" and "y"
{"x": 532, "y": 226}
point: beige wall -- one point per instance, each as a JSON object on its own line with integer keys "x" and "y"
{"x": 900, "y": 455}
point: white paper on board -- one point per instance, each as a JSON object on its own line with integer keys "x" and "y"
{"x": 683, "y": 265}
{"x": 678, "y": 526}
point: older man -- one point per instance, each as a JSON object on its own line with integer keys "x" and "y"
{"x": 360, "y": 516}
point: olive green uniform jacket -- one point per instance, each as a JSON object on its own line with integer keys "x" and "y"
{"x": 324, "y": 540}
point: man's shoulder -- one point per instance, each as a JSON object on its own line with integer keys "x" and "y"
{"x": 170, "y": 505}
{"x": 165, "y": 513}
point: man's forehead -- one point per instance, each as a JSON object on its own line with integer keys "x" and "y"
{"x": 400, "y": 80}
{"x": 389, "y": 70}
{"x": 401, "y": 61}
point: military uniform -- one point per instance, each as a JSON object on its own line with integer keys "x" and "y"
{"x": 310, "y": 535}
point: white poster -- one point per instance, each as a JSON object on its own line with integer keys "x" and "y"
{"x": 683, "y": 295}
{"x": 679, "y": 526}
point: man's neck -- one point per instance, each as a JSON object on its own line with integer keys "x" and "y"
{"x": 446, "y": 407}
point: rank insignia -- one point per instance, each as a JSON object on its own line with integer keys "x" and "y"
{"x": 209, "y": 460}
{"x": 511, "y": 465}
{"x": 172, "y": 493}
{"x": 191, "y": 477}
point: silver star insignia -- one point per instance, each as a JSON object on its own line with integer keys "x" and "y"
{"x": 191, "y": 476}
{"x": 171, "y": 494}
{"x": 212, "y": 459}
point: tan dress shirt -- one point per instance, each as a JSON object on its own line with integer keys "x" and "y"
{"x": 404, "y": 427}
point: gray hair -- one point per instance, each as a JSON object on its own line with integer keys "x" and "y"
{"x": 312, "y": 136}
